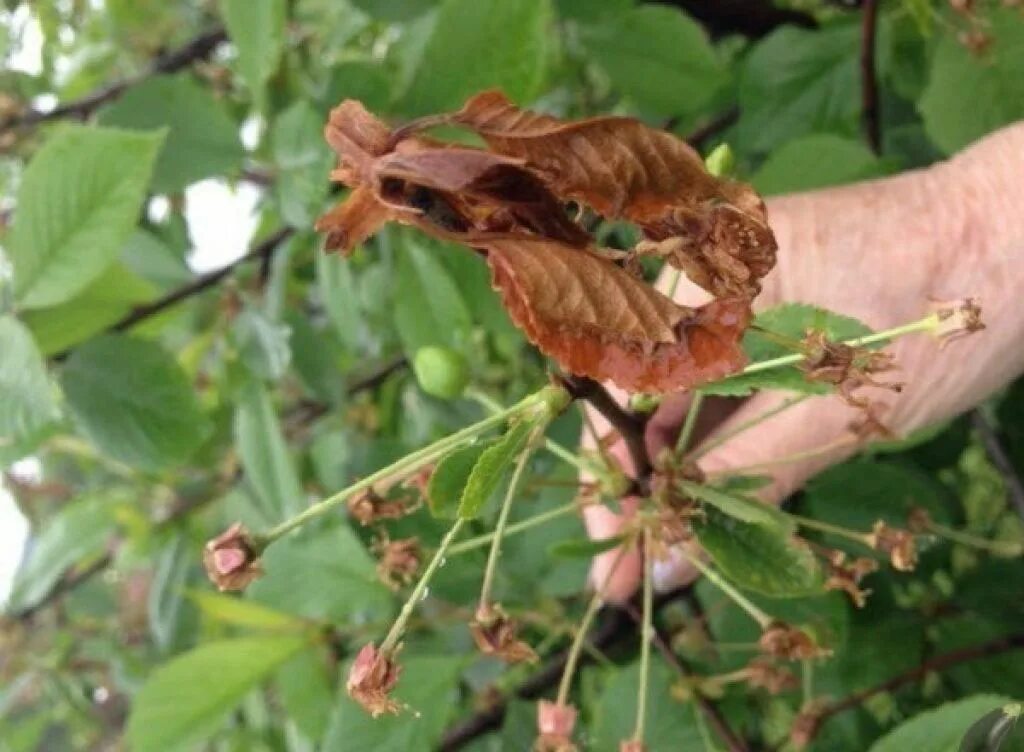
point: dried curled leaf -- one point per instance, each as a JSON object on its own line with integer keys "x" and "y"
{"x": 597, "y": 320}
{"x": 623, "y": 168}
{"x": 573, "y": 302}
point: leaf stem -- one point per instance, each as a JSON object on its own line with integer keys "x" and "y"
{"x": 691, "y": 422}
{"x": 1000, "y": 548}
{"x": 827, "y": 527}
{"x": 763, "y": 619}
{"x": 646, "y": 637}
{"x": 409, "y": 463}
{"x": 927, "y": 323}
{"x": 390, "y": 643}
{"x": 502, "y": 525}
{"x": 482, "y": 540}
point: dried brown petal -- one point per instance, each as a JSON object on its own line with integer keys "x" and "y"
{"x": 555, "y": 724}
{"x": 781, "y": 640}
{"x": 765, "y": 674}
{"x": 368, "y": 507}
{"x": 846, "y": 576}
{"x": 371, "y": 679}
{"x": 957, "y": 319}
{"x": 845, "y": 366}
{"x": 805, "y": 726}
{"x": 397, "y": 561}
{"x": 495, "y": 634}
{"x": 232, "y": 559}
{"x": 919, "y": 521}
{"x": 898, "y": 544}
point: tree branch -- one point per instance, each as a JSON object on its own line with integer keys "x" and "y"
{"x": 938, "y": 663}
{"x": 752, "y": 18}
{"x": 200, "y": 48}
{"x": 629, "y": 426}
{"x": 868, "y": 76}
{"x": 998, "y": 457}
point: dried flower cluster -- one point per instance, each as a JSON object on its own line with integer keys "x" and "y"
{"x": 785, "y": 641}
{"x": 898, "y": 544}
{"x": 371, "y": 679}
{"x": 508, "y": 203}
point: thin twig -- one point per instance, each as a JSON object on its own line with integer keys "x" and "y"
{"x": 998, "y": 457}
{"x": 710, "y": 710}
{"x": 200, "y": 48}
{"x": 938, "y": 663}
{"x": 868, "y": 76}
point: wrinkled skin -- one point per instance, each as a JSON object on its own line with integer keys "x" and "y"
{"x": 880, "y": 251}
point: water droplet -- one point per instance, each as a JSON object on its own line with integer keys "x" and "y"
{"x": 425, "y": 594}
{"x": 444, "y": 560}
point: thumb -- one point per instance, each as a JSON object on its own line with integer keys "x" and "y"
{"x": 793, "y": 443}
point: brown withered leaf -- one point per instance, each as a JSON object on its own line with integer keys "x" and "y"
{"x": 597, "y": 320}
{"x": 622, "y": 168}
{"x": 351, "y": 222}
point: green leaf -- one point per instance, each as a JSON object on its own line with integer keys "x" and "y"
{"x": 481, "y": 44}
{"x": 429, "y": 309}
{"x": 185, "y": 699}
{"x": 857, "y": 493}
{"x": 798, "y": 81}
{"x": 26, "y": 397}
{"x": 939, "y": 730}
{"x": 262, "y": 343}
{"x": 367, "y": 81}
{"x": 238, "y": 612}
{"x": 328, "y": 576}
{"x": 165, "y": 598}
{"x": 999, "y": 729}
{"x": 78, "y": 202}
{"x": 489, "y": 470}
{"x": 658, "y": 57}
{"x": 584, "y": 548}
{"x": 758, "y": 557}
{"x": 305, "y": 687}
{"x": 202, "y": 140}
{"x": 303, "y": 164}
{"x": 791, "y": 320}
{"x": 74, "y": 535}
{"x": 428, "y": 685}
{"x": 106, "y": 300}
{"x": 256, "y": 27}
{"x": 133, "y": 401}
{"x": 670, "y": 727}
{"x": 448, "y": 481}
{"x": 264, "y": 453}
{"x": 740, "y": 507}
{"x": 816, "y": 161}
{"x": 340, "y": 297}
{"x": 993, "y": 78}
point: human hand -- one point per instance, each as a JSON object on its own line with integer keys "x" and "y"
{"x": 883, "y": 252}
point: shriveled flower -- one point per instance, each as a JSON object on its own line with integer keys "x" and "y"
{"x": 232, "y": 559}
{"x": 845, "y": 366}
{"x": 371, "y": 679}
{"x": 633, "y": 745}
{"x": 957, "y": 319}
{"x": 898, "y": 544}
{"x": 368, "y": 506}
{"x": 495, "y": 634}
{"x": 805, "y": 725}
{"x": 554, "y": 727}
{"x": 781, "y": 640}
{"x": 763, "y": 673}
{"x": 846, "y": 576}
{"x": 919, "y": 521}
{"x": 397, "y": 561}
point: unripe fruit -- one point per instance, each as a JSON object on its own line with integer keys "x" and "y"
{"x": 441, "y": 372}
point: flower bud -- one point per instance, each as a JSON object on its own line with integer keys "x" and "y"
{"x": 232, "y": 559}
{"x": 554, "y": 727}
{"x": 495, "y": 634}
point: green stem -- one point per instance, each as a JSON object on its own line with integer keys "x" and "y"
{"x": 921, "y": 325}
{"x": 807, "y": 680}
{"x": 1001, "y": 548}
{"x": 409, "y": 463}
{"x": 763, "y": 619}
{"x": 482, "y": 540}
{"x": 500, "y": 528}
{"x": 577, "y": 644}
{"x": 691, "y": 422}
{"x": 723, "y": 437}
{"x": 827, "y": 527}
{"x": 387, "y": 648}
{"x": 646, "y": 636}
